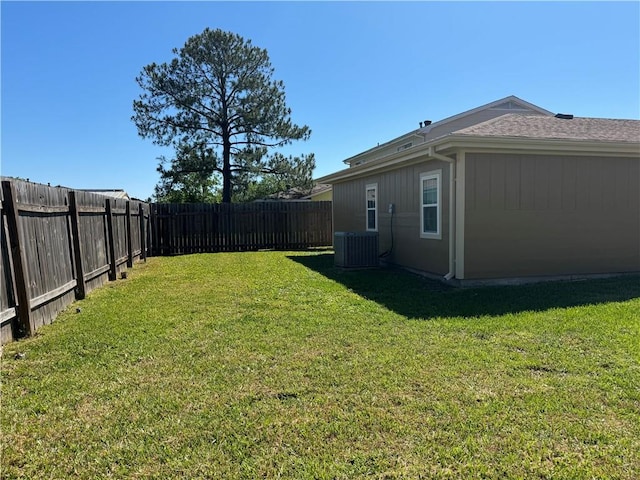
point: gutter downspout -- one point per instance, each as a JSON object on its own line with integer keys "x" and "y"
{"x": 452, "y": 209}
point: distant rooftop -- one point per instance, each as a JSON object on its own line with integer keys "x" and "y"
{"x": 297, "y": 193}
{"x": 113, "y": 193}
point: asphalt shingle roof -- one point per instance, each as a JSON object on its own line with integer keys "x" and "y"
{"x": 548, "y": 127}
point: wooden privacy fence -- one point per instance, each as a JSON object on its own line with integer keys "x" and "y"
{"x": 196, "y": 228}
{"x": 57, "y": 245}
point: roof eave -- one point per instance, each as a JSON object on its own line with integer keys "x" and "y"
{"x": 483, "y": 143}
{"x": 390, "y": 161}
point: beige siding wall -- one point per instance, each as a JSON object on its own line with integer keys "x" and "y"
{"x": 402, "y": 188}
{"x": 534, "y": 215}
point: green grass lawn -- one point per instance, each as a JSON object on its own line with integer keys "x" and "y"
{"x": 278, "y": 365}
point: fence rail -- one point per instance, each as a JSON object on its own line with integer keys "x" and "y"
{"x": 198, "y": 228}
{"x": 59, "y": 244}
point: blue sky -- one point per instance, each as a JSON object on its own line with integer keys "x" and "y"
{"x": 357, "y": 73}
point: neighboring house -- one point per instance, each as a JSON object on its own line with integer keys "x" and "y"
{"x": 113, "y": 193}
{"x": 319, "y": 192}
{"x": 504, "y": 191}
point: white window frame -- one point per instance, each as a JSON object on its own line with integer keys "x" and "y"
{"x": 374, "y": 187}
{"x": 437, "y": 175}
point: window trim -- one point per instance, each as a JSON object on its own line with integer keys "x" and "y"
{"x": 374, "y": 187}
{"x": 437, "y": 175}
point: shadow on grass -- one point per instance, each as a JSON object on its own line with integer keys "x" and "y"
{"x": 413, "y": 296}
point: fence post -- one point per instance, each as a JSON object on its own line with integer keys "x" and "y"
{"x": 77, "y": 245}
{"x": 150, "y": 241}
{"x": 143, "y": 237}
{"x": 21, "y": 273}
{"x": 10, "y": 275}
{"x": 129, "y": 239}
{"x": 112, "y": 247}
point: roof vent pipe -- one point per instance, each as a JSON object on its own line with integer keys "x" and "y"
{"x": 420, "y": 124}
{"x": 564, "y": 116}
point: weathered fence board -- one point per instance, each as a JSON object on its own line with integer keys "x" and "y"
{"x": 92, "y": 227}
{"x": 46, "y": 235}
{"x": 56, "y": 247}
{"x": 198, "y": 228}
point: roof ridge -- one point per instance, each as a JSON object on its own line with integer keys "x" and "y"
{"x": 422, "y": 131}
{"x": 486, "y": 106}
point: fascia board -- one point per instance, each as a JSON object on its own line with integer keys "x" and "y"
{"x": 539, "y": 146}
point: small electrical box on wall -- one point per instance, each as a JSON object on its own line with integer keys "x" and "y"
{"x": 391, "y": 207}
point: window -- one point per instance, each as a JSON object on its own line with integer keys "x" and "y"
{"x": 372, "y": 207}
{"x": 430, "y": 192}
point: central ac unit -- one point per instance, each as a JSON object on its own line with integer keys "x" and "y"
{"x": 356, "y": 249}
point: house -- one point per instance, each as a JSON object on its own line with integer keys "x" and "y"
{"x": 505, "y": 192}
{"x": 321, "y": 193}
{"x": 318, "y": 193}
{"x": 109, "y": 192}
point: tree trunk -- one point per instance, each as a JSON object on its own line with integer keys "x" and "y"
{"x": 226, "y": 171}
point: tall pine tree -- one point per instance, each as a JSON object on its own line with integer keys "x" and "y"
{"x": 218, "y": 98}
